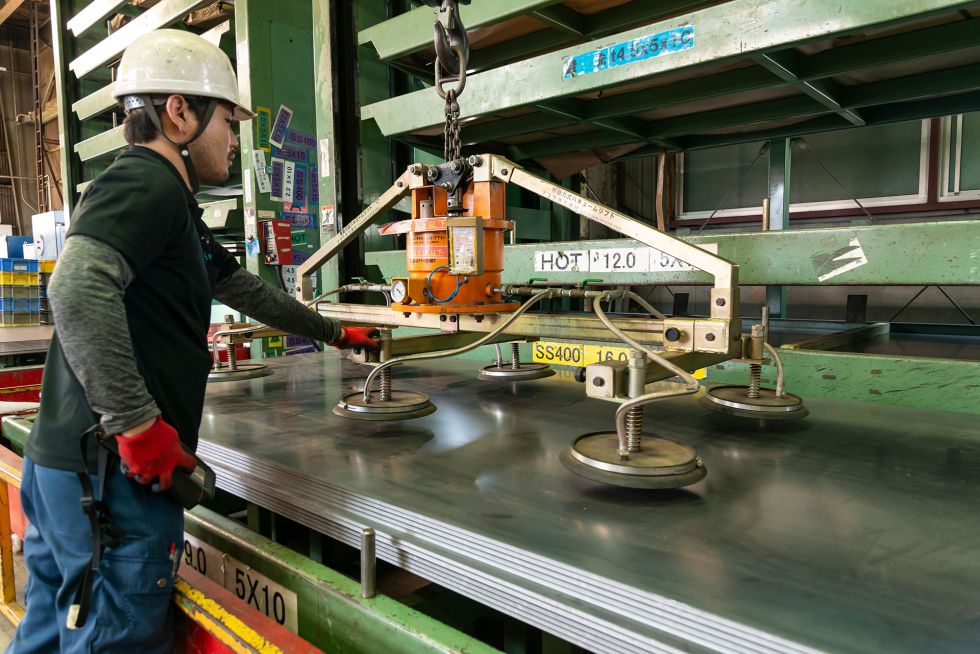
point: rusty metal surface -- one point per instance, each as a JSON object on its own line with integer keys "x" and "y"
{"x": 853, "y": 530}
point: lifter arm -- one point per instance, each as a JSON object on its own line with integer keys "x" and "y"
{"x": 725, "y": 273}
{"x": 402, "y": 186}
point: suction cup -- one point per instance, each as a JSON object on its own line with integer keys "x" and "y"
{"x": 403, "y": 405}
{"x": 735, "y": 400}
{"x": 660, "y": 463}
{"x": 241, "y": 371}
{"x": 523, "y": 372}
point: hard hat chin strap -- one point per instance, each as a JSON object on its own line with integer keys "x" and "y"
{"x": 146, "y": 102}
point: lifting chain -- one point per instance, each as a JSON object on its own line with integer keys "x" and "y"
{"x": 452, "y": 147}
{"x": 452, "y": 56}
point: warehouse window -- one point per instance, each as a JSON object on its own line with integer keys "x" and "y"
{"x": 960, "y": 158}
{"x": 883, "y": 165}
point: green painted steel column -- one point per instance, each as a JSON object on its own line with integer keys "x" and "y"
{"x": 273, "y": 41}
{"x": 325, "y": 90}
{"x": 62, "y": 47}
{"x": 780, "y": 164}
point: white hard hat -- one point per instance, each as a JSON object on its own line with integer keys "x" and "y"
{"x": 176, "y": 62}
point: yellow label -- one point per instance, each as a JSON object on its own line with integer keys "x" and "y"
{"x": 579, "y": 355}
{"x": 559, "y": 354}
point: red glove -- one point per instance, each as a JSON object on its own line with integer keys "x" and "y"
{"x": 154, "y": 454}
{"x": 357, "y": 336}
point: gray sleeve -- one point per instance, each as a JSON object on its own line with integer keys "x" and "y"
{"x": 245, "y": 292}
{"x": 86, "y": 297}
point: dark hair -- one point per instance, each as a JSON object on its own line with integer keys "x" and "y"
{"x": 138, "y": 128}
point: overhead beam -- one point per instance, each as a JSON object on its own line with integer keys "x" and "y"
{"x": 562, "y": 19}
{"x": 891, "y": 49}
{"x": 784, "y": 66}
{"x": 164, "y": 14}
{"x": 933, "y": 84}
{"x": 8, "y": 9}
{"x": 92, "y": 13}
{"x": 765, "y": 25}
{"x": 570, "y": 111}
{"x": 412, "y": 31}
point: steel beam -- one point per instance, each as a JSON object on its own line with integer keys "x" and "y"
{"x": 907, "y": 46}
{"x": 783, "y": 65}
{"x": 163, "y": 14}
{"x": 574, "y": 327}
{"x": 933, "y": 84}
{"x": 562, "y": 19}
{"x": 9, "y": 8}
{"x": 900, "y": 254}
{"x": 101, "y": 144}
{"x": 780, "y": 166}
{"x": 94, "y": 103}
{"x": 92, "y": 13}
{"x": 412, "y": 31}
{"x": 766, "y": 25}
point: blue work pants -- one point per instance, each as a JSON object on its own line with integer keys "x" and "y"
{"x": 130, "y": 604}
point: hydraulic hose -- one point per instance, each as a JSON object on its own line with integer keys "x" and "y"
{"x": 425, "y": 356}
{"x": 692, "y": 383}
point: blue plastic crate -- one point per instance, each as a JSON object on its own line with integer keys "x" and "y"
{"x": 19, "y": 304}
{"x": 19, "y": 265}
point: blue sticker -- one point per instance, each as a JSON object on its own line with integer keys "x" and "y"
{"x": 300, "y": 139}
{"x": 314, "y": 185}
{"x": 299, "y": 186}
{"x": 297, "y": 219}
{"x": 279, "y": 127}
{"x": 628, "y": 52}
{"x": 277, "y": 175}
{"x": 300, "y": 257}
{"x": 298, "y": 155}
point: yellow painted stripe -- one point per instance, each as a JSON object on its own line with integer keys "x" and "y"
{"x": 220, "y": 623}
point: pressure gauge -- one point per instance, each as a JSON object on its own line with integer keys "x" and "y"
{"x": 399, "y": 290}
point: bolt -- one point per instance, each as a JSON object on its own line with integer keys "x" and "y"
{"x": 478, "y": 318}
{"x": 720, "y": 302}
{"x": 432, "y": 174}
{"x": 447, "y": 185}
{"x": 598, "y": 381}
{"x": 453, "y": 318}
{"x": 415, "y": 169}
{"x": 406, "y": 313}
{"x": 504, "y": 171}
{"x": 399, "y": 184}
{"x": 709, "y": 337}
{"x": 442, "y": 318}
{"x": 475, "y": 160}
{"x": 672, "y": 334}
{"x": 455, "y": 166}
{"x": 580, "y": 375}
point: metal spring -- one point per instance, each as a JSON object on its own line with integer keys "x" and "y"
{"x": 386, "y": 385}
{"x": 515, "y": 356}
{"x": 755, "y": 380}
{"x": 634, "y": 428}
{"x": 232, "y": 357}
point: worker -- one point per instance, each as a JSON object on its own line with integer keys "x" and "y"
{"x": 131, "y": 299}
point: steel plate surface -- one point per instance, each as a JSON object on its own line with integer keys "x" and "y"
{"x": 854, "y": 530}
